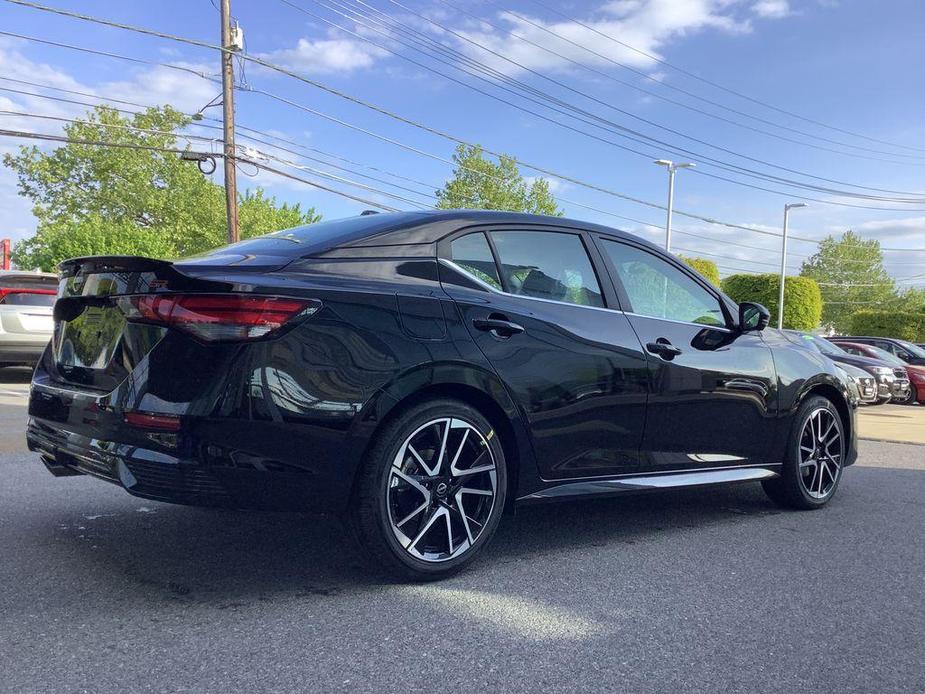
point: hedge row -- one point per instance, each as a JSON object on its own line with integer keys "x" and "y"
{"x": 905, "y": 326}
{"x": 705, "y": 267}
{"x": 802, "y": 298}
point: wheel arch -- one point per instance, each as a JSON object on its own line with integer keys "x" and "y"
{"x": 834, "y": 394}
{"x": 476, "y": 387}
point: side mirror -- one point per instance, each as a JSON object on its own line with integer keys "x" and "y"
{"x": 753, "y": 316}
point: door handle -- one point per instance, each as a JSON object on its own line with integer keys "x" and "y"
{"x": 498, "y": 326}
{"x": 663, "y": 348}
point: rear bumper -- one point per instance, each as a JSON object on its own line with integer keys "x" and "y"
{"x": 159, "y": 476}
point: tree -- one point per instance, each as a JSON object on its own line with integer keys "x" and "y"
{"x": 705, "y": 267}
{"x": 802, "y": 299}
{"x": 850, "y": 274}
{"x": 90, "y": 199}
{"x": 481, "y": 184}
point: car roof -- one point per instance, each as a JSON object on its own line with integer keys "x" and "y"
{"x": 855, "y": 338}
{"x": 399, "y": 229}
{"x": 430, "y": 226}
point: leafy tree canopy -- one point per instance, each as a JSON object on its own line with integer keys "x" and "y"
{"x": 851, "y": 276}
{"x": 107, "y": 200}
{"x": 481, "y": 184}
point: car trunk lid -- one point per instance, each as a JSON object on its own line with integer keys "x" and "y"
{"x": 93, "y": 345}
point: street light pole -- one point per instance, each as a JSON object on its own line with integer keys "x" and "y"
{"x": 783, "y": 263}
{"x": 672, "y": 167}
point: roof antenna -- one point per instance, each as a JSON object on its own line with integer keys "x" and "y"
{"x": 366, "y": 213}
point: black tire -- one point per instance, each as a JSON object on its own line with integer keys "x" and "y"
{"x": 381, "y": 485}
{"x": 792, "y": 489}
{"x": 908, "y": 400}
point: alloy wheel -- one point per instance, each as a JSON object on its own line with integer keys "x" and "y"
{"x": 821, "y": 450}
{"x": 441, "y": 489}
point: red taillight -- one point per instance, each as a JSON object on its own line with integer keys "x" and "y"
{"x": 217, "y": 317}
{"x": 149, "y": 420}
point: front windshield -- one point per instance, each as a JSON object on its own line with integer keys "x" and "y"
{"x": 821, "y": 345}
{"x": 827, "y": 347}
{"x": 914, "y": 350}
{"x": 883, "y": 355}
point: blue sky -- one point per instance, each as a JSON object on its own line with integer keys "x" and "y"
{"x": 852, "y": 65}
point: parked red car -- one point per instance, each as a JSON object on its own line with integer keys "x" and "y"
{"x": 916, "y": 373}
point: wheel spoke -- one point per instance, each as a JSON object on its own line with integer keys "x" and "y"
{"x": 449, "y": 532}
{"x": 824, "y": 437}
{"x": 462, "y": 514}
{"x": 470, "y": 490}
{"x": 420, "y": 460}
{"x": 475, "y": 468}
{"x": 438, "y": 513}
{"x": 459, "y": 450}
{"x": 822, "y": 467}
{"x": 413, "y": 482}
{"x": 413, "y": 514}
{"x": 446, "y": 432}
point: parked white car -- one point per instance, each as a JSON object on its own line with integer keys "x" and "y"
{"x": 26, "y": 323}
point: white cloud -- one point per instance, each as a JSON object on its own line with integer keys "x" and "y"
{"x": 912, "y": 228}
{"x": 647, "y": 25}
{"x": 157, "y": 86}
{"x": 771, "y": 9}
{"x": 326, "y": 56}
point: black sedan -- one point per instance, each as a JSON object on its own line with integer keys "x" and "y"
{"x": 422, "y": 372}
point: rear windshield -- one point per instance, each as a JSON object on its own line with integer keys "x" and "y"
{"x": 883, "y": 355}
{"x": 27, "y": 299}
{"x": 312, "y": 238}
{"x": 28, "y": 281}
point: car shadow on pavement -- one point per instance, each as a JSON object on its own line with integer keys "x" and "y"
{"x": 169, "y": 552}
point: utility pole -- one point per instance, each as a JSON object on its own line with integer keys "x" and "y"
{"x": 783, "y": 264}
{"x": 672, "y": 167}
{"x": 231, "y": 182}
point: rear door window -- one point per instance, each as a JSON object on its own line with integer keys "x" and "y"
{"x": 547, "y": 265}
{"x": 473, "y": 254}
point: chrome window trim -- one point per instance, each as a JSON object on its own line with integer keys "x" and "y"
{"x": 721, "y": 328}
{"x": 449, "y": 263}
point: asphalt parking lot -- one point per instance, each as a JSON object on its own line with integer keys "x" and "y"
{"x": 708, "y": 590}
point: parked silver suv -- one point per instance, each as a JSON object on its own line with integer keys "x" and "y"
{"x": 26, "y": 301}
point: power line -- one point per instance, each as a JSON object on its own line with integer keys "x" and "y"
{"x": 239, "y": 127}
{"x": 706, "y": 81}
{"x": 340, "y": 94}
{"x": 323, "y": 174}
{"x": 439, "y": 133}
{"x": 682, "y": 104}
{"x": 584, "y": 116}
{"x": 170, "y": 150}
{"x": 403, "y": 28}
